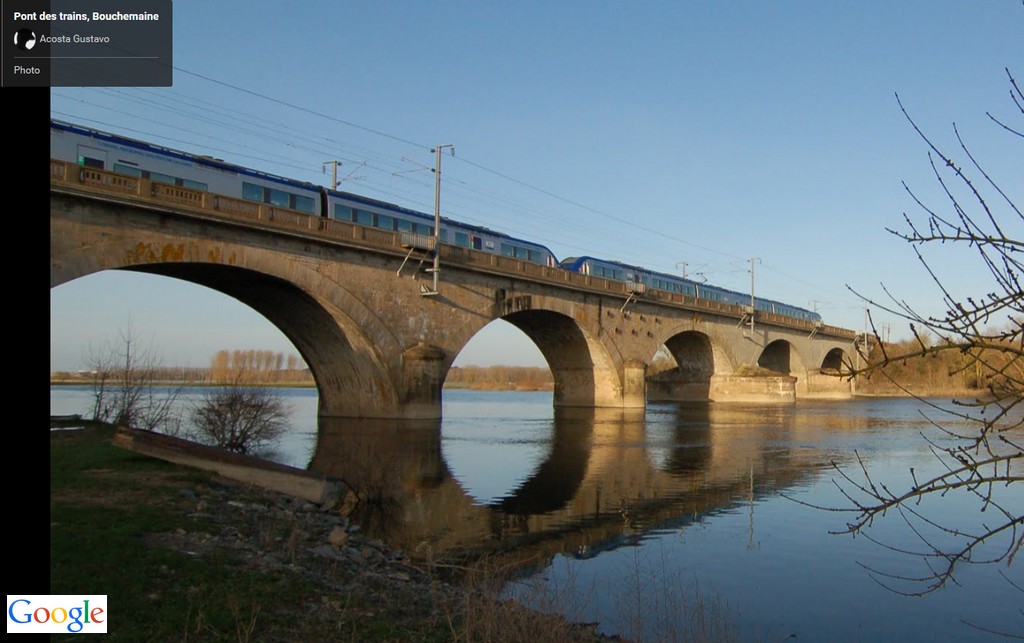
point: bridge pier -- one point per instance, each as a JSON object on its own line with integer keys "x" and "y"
{"x": 779, "y": 389}
{"x": 423, "y": 372}
{"x": 827, "y": 386}
{"x": 676, "y": 387}
{"x": 634, "y": 384}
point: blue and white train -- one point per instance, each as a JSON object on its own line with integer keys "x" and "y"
{"x": 673, "y": 284}
{"x": 113, "y": 153}
{"x": 110, "y": 152}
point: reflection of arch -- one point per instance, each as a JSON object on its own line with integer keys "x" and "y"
{"x": 583, "y": 372}
{"x": 558, "y": 478}
{"x": 351, "y": 379}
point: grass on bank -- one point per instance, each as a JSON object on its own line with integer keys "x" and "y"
{"x": 112, "y": 511}
{"x": 107, "y": 503}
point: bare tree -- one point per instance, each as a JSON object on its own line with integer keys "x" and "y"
{"x": 124, "y": 384}
{"x": 240, "y": 418}
{"x": 980, "y": 442}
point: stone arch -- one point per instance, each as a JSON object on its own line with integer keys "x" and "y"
{"x": 783, "y": 357}
{"x": 828, "y": 380}
{"x": 778, "y": 356}
{"x": 351, "y": 378}
{"x": 834, "y": 360}
{"x": 583, "y": 371}
{"x": 698, "y": 359}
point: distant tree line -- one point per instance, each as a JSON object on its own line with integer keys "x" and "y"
{"x": 258, "y": 367}
{"x": 226, "y": 366}
{"x": 936, "y": 371}
{"x": 518, "y": 378}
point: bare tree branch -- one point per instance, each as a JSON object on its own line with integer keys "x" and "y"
{"x": 979, "y": 444}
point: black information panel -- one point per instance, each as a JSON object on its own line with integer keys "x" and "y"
{"x": 87, "y": 43}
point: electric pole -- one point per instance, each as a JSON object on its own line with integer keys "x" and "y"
{"x": 752, "y": 260}
{"x": 437, "y": 211}
{"x": 334, "y": 172}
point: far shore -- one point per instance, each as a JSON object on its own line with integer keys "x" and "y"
{"x": 512, "y": 386}
{"x": 930, "y": 393}
{"x": 82, "y": 382}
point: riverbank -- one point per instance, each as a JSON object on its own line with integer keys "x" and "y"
{"x": 928, "y": 393}
{"x": 58, "y": 381}
{"x": 184, "y": 554}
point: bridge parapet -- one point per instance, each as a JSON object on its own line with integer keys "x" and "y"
{"x": 185, "y": 200}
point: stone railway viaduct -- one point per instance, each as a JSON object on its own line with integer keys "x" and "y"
{"x": 379, "y": 348}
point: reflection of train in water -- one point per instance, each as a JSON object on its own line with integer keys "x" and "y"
{"x": 113, "y": 153}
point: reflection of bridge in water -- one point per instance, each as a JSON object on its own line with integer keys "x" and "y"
{"x": 606, "y": 478}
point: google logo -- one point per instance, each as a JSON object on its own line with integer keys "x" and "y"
{"x": 56, "y": 613}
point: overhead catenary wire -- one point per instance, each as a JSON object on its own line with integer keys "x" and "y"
{"x": 543, "y": 227}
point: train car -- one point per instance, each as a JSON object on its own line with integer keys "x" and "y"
{"x": 361, "y": 210}
{"x": 113, "y": 153}
{"x": 670, "y": 283}
{"x": 93, "y": 148}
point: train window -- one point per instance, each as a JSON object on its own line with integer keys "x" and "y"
{"x": 252, "y": 192}
{"x": 364, "y": 218}
{"x": 278, "y": 197}
{"x": 304, "y": 203}
{"x": 132, "y": 170}
{"x": 535, "y": 256}
{"x": 121, "y": 168}
{"x": 343, "y": 213}
{"x": 384, "y": 222}
{"x": 91, "y": 157}
{"x": 404, "y": 226}
{"x": 424, "y": 229}
{"x": 444, "y": 236}
{"x": 478, "y": 243}
{"x": 157, "y": 177}
{"x": 462, "y": 239}
{"x": 507, "y": 250}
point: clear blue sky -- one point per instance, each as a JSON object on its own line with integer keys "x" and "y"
{"x": 649, "y": 132}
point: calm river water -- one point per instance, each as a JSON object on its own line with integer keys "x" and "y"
{"x": 638, "y": 521}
